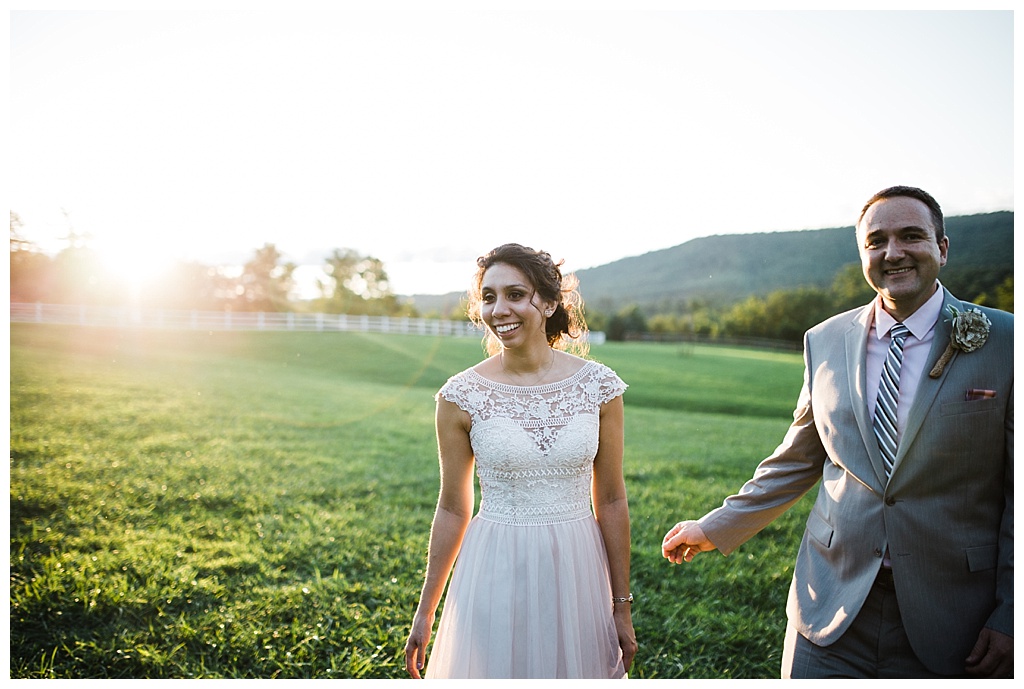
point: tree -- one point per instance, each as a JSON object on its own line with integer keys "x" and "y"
{"x": 265, "y": 283}
{"x": 850, "y": 289}
{"x": 1002, "y": 299}
{"x": 597, "y": 321}
{"x": 628, "y": 321}
{"x": 781, "y": 315}
{"x": 31, "y": 270}
{"x": 1004, "y": 295}
{"x": 76, "y": 275}
{"x": 357, "y": 284}
{"x": 668, "y": 323}
{"x": 79, "y": 277}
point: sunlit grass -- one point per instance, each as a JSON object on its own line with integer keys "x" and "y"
{"x": 233, "y": 505}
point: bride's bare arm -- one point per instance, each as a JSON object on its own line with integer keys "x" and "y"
{"x": 612, "y": 511}
{"x": 451, "y": 518}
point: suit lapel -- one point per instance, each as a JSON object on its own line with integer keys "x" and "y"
{"x": 856, "y": 362}
{"x": 928, "y": 387}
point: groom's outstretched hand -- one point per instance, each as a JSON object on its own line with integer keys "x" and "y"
{"x": 683, "y": 541}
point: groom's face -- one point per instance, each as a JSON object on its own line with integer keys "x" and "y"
{"x": 899, "y": 253}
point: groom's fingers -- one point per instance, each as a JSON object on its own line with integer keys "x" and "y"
{"x": 673, "y": 532}
{"x": 673, "y": 541}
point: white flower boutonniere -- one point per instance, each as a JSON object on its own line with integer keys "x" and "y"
{"x": 970, "y": 332}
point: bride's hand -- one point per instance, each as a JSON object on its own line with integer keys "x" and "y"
{"x": 416, "y": 646}
{"x": 684, "y": 541}
{"x": 627, "y": 637}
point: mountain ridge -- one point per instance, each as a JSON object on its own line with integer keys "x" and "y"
{"x": 726, "y": 268}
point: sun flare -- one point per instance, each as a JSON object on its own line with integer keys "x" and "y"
{"x": 134, "y": 264}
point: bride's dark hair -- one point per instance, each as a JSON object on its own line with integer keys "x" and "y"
{"x": 566, "y": 328}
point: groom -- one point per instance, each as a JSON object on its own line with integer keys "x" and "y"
{"x": 906, "y": 564}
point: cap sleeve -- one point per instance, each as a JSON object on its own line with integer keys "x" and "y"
{"x": 609, "y": 385}
{"x": 455, "y": 390}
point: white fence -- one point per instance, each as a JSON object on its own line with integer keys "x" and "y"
{"x": 108, "y": 316}
{"x": 129, "y": 317}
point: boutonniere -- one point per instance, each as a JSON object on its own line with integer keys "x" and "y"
{"x": 970, "y": 331}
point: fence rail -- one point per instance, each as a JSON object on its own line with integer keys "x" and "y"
{"x": 108, "y": 316}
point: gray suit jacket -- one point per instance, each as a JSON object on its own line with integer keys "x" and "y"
{"x": 946, "y": 514}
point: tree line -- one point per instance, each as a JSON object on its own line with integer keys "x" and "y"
{"x": 354, "y": 284}
{"x": 357, "y": 284}
{"x": 782, "y": 315}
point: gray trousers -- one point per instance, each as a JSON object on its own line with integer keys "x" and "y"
{"x": 875, "y": 645}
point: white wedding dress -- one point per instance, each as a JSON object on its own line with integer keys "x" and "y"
{"x": 530, "y": 595}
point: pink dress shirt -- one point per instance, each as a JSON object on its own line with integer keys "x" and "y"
{"x": 915, "y": 353}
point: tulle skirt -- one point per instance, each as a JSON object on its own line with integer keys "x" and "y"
{"x": 528, "y": 602}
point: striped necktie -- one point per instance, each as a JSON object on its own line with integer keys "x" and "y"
{"x": 888, "y": 396}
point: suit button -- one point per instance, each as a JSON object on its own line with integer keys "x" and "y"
{"x": 890, "y": 501}
{"x": 878, "y": 552}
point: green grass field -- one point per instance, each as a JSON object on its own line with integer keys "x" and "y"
{"x": 257, "y": 505}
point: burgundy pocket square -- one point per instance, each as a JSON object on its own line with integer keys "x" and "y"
{"x": 979, "y": 394}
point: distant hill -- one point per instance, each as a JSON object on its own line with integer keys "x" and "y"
{"x": 726, "y": 268}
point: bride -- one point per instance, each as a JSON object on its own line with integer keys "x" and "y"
{"x": 540, "y": 587}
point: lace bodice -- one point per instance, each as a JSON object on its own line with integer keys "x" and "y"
{"x": 535, "y": 446}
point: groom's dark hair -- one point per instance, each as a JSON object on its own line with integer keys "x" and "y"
{"x": 913, "y": 193}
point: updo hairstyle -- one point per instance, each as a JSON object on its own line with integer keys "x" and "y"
{"x": 566, "y": 328}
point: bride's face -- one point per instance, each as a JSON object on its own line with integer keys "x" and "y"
{"x": 510, "y": 306}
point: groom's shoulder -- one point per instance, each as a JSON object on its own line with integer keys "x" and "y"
{"x": 838, "y": 322}
{"x": 998, "y": 317}
{"x": 999, "y": 321}
{"x": 1000, "y": 331}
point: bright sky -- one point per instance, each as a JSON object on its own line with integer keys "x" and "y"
{"x": 426, "y": 138}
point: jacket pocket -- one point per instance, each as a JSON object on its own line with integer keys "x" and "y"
{"x": 965, "y": 407}
{"x": 820, "y": 530}
{"x": 982, "y": 557}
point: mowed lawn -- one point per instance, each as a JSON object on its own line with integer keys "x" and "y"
{"x": 253, "y": 505}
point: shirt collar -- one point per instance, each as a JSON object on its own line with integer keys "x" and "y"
{"x": 918, "y": 323}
